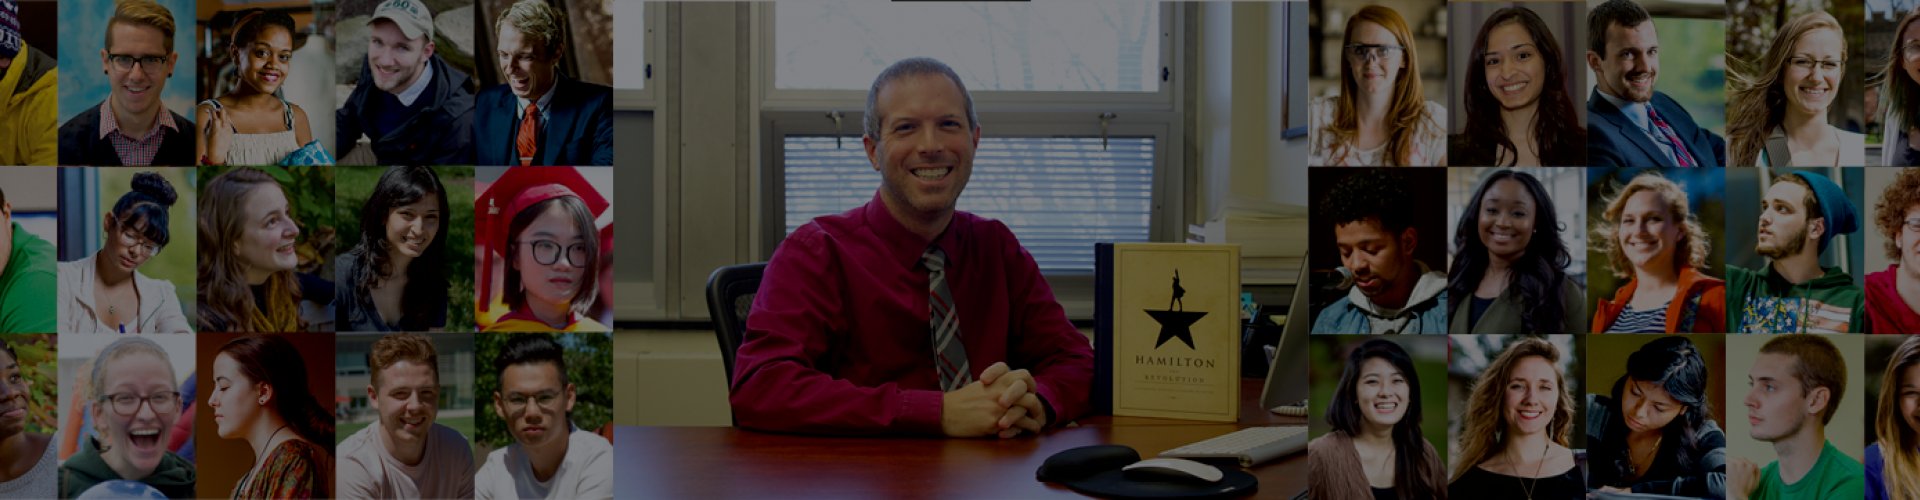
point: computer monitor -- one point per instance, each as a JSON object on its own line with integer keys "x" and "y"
{"x": 1287, "y": 374}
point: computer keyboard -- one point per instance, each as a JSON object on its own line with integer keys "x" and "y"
{"x": 1252, "y": 445}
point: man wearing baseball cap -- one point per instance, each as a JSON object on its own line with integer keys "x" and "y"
{"x": 27, "y": 97}
{"x": 419, "y": 110}
{"x": 1801, "y": 214}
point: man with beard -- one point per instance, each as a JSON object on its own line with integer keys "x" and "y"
{"x": 413, "y": 107}
{"x": 405, "y": 454}
{"x": 1893, "y": 295}
{"x": 1795, "y": 380}
{"x": 1800, "y": 215}
{"x": 27, "y": 461}
{"x": 1393, "y": 293}
{"x": 1628, "y": 123}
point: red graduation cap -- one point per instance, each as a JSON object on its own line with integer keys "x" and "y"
{"x": 514, "y": 191}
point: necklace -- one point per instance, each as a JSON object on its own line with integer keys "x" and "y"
{"x": 260, "y": 455}
{"x": 1526, "y": 487}
{"x": 1633, "y": 471}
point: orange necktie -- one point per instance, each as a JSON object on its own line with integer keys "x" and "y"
{"x": 527, "y": 142}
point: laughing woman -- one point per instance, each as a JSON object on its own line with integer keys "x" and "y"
{"x": 1518, "y": 111}
{"x": 1375, "y": 416}
{"x": 134, "y": 411}
{"x": 246, "y": 279}
{"x": 252, "y": 125}
{"x": 1778, "y": 112}
{"x": 105, "y": 292}
{"x": 1514, "y": 442}
{"x": 395, "y": 278}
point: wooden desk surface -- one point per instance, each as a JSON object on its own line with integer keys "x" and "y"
{"x": 726, "y": 462}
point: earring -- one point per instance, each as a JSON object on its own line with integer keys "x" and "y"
{"x": 263, "y": 401}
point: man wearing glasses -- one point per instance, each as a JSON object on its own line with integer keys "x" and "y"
{"x": 132, "y": 127}
{"x": 1800, "y": 215}
{"x": 1893, "y": 295}
{"x": 549, "y": 457}
{"x": 1628, "y": 123}
{"x": 405, "y": 454}
{"x": 135, "y": 403}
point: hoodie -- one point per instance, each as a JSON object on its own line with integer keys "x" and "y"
{"x": 1765, "y": 302}
{"x": 1886, "y": 311}
{"x": 1425, "y": 312}
{"x": 1704, "y": 300}
{"x": 174, "y": 476}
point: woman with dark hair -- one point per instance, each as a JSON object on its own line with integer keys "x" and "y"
{"x": 1514, "y": 441}
{"x": 247, "y": 280}
{"x": 541, "y": 221}
{"x": 1518, "y": 109}
{"x": 252, "y": 124}
{"x": 1375, "y": 416}
{"x": 105, "y": 292}
{"x": 1656, "y": 433}
{"x": 395, "y": 278}
{"x": 260, "y": 394}
{"x": 1508, "y": 275}
{"x": 1380, "y": 117}
{"x": 1901, "y": 95}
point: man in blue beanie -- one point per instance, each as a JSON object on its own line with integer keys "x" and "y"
{"x": 1800, "y": 216}
{"x": 27, "y": 96}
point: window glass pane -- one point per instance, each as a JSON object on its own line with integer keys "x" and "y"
{"x": 1059, "y": 195}
{"x": 630, "y": 32}
{"x": 1056, "y": 46}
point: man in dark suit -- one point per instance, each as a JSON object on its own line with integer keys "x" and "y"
{"x": 1628, "y": 123}
{"x": 540, "y": 117}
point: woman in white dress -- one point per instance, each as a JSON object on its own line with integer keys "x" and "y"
{"x": 251, "y": 124}
{"x": 1778, "y": 109}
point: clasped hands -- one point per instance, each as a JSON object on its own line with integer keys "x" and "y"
{"x": 1001, "y": 403}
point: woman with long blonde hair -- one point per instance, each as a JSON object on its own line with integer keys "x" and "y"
{"x": 1514, "y": 442}
{"x": 1380, "y": 117}
{"x": 1893, "y": 463}
{"x": 1778, "y": 107}
{"x": 1900, "y": 124}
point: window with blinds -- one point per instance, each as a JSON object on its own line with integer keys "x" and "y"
{"x": 1059, "y": 195}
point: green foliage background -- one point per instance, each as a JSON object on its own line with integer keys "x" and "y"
{"x": 175, "y": 263}
{"x": 589, "y": 368}
{"x": 310, "y": 197}
{"x": 38, "y": 364}
{"x": 353, "y": 185}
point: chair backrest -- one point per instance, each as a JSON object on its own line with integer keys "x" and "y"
{"x": 730, "y": 292}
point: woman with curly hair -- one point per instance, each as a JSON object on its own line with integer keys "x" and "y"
{"x": 1892, "y": 294}
{"x": 1519, "y": 417}
{"x": 1518, "y": 109}
{"x": 1778, "y": 109}
{"x": 1900, "y": 90}
{"x": 1375, "y": 416}
{"x": 1655, "y": 433}
{"x": 1651, "y": 236}
{"x": 1509, "y": 271}
{"x": 1380, "y": 117}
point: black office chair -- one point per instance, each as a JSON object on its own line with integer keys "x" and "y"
{"x": 730, "y": 292}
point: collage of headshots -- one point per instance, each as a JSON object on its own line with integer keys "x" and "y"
{"x": 1557, "y": 225}
{"x": 293, "y": 249}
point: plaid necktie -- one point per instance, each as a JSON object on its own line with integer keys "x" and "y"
{"x": 1671, "y": 140}
{"x": 949, "y": 356}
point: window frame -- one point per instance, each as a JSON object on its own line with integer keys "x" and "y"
{"x": 648, "y": 300}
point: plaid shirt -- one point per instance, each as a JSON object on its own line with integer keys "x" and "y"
{"x": 132, "y": 151}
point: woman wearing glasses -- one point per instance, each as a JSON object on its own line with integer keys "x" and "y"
{"x": 246, "y": 277}
{"x": 135, "y": 404}
{"x": 1902, "y": 96}
{"x": 395, "y": 278}
{"x": 1889, "y": 292}
{"x": 547, "y": 235}
{"x": 1518, "y": 111}
{"x": 1777, "y": 109}
{"x": 260, "y": 395}
{"x": 1380, "y": 117}
{"x": 105, "y": 292}
{"x": 250, "y": 124}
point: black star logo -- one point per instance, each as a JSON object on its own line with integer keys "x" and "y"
{"x": 1175, "y": 325}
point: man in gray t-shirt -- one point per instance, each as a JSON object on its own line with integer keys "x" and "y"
{"x": 548, "y": 457}
{"x": 405, "y": 454}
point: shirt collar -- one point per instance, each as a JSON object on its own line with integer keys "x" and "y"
{"x": 412, "y": 93}
{"x": 110, "y": 124}
{"x": 1636, "y": 111}
{"x": 520, "y": 103}
{"x": 905, "y": 247}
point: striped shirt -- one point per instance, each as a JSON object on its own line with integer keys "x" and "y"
{"x": 136, "y": 152}
{"x": 1640, "y": 321}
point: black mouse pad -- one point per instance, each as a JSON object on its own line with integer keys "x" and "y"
{"x": 1113, "y": 484}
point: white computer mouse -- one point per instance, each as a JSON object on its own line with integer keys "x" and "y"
{"x": 1178, "y": 469}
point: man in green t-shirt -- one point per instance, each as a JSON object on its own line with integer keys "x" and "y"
{"x": 1801, "y": 214}
{"x": 27, "y": 277}
{"x": 1796, "y": 379}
